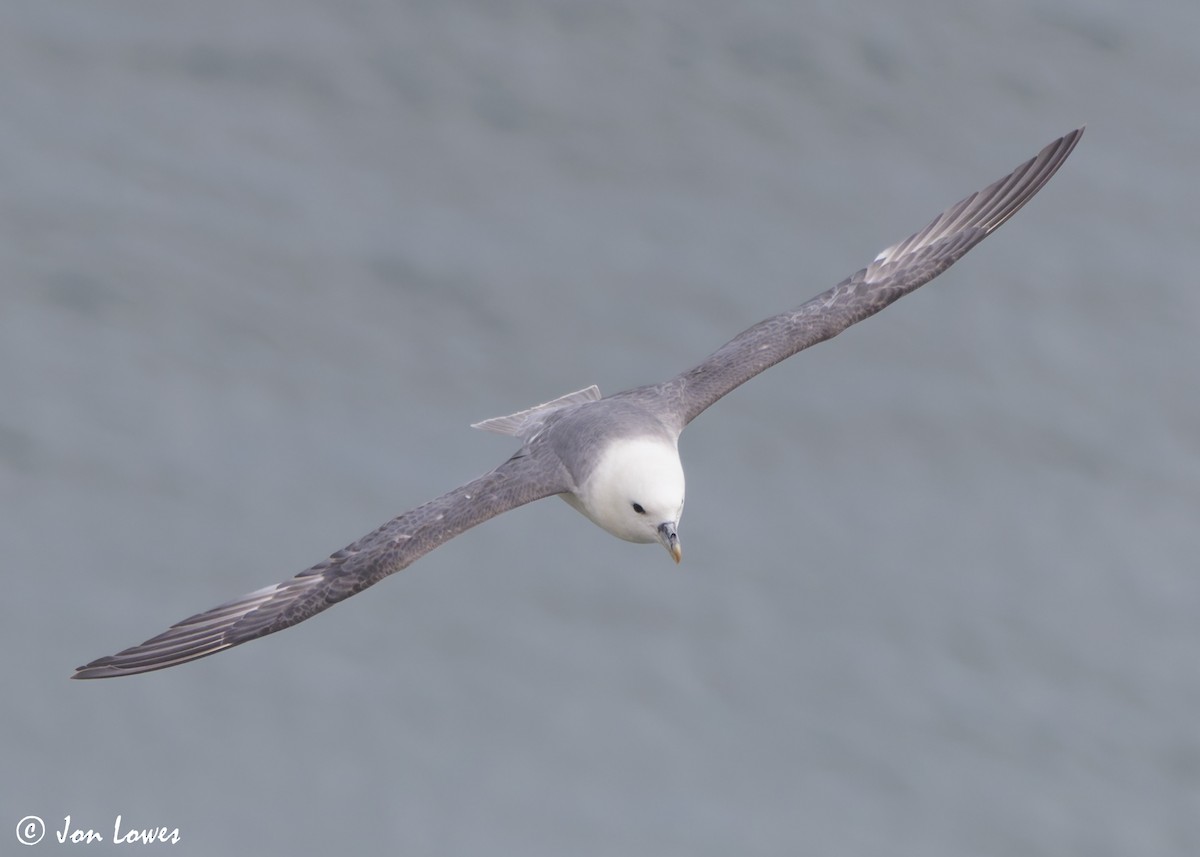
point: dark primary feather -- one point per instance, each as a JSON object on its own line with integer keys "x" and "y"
{"x": 527, "y": 476}
{"x": 898, "y": 270}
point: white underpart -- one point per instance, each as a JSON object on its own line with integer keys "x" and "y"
{"x": 645, "y": 471}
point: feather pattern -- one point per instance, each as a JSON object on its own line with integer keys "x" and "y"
{"x": 392, "y": 547}
{"x": 895, "y": 272}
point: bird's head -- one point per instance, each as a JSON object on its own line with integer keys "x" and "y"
{"x": 636, "y": 493}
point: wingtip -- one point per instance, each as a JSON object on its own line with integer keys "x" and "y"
{"x": 1071, "y": 137}
{"x": 96, "y": 669}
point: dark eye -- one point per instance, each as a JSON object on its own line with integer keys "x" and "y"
{"x": 637, "y": 507}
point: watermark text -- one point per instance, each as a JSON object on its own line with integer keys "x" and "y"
{"x": 32, "y": 829}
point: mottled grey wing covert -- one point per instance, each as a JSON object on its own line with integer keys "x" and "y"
{"x": 527, "y": 476}
{"x": 895, "y": 272}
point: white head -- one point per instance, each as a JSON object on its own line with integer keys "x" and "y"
{"x": 636, "y": 492}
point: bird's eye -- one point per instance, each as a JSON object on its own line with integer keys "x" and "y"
{"x": 637, "y": 507}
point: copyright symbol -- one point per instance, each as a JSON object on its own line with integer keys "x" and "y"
{"x": 30, "y": 830}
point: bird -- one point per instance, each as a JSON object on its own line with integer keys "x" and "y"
{"x": 613, "y": 458}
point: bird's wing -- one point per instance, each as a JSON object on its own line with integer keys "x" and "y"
{"x": 527, "y": 476}
{"x": 894, "y": 273}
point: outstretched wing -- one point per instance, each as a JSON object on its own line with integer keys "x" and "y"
{"x": 895, "y": 272}
{"x": 525, "y": 477}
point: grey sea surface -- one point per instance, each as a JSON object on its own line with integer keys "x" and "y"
{"x": 262, "y": 263}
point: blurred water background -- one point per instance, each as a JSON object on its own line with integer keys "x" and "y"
{"x": 262, "y": 263}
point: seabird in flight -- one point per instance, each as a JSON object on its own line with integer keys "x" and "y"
{"x": 614, "y": 458}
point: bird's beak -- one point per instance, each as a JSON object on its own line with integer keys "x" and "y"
{"x": 670, "y": 540}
